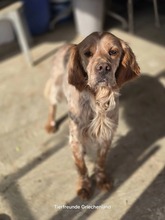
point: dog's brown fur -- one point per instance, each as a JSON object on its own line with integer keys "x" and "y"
{"x": 90, "y": 75}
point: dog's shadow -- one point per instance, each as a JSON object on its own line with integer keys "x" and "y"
{"x": 143, "y": 103}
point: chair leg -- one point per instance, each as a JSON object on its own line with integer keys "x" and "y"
{"x": 21, "y": 33}
{"x": 118, "y": 18}
{"x": 157, "y": 20}
{"x": 130, "y": 16}
{"x": 26, "y": 29}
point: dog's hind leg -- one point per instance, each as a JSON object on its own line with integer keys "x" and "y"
{"x": 51, "y": 124}
{"x": 51, "y": 93}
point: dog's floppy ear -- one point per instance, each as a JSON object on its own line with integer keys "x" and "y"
{"x": 76, "y": 73}
{"x": 128, "y": 67}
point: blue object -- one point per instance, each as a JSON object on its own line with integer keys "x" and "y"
{"x": 37, "y": 13}
{"x": 61, "y": 10}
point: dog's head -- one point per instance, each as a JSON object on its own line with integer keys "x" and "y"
{"x": 101, "y": 60}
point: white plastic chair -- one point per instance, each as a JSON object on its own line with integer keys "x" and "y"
{"x": 14, "y": 13}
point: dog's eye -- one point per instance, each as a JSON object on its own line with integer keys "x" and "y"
{"x": 88, "y": 54}
{"x": 112, "y": 52}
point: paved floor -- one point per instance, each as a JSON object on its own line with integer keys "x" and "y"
{"x": 37, "y": 174}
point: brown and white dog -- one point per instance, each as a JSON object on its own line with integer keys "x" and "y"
{"x": 90, "y": 76}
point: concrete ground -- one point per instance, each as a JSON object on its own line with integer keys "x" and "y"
{"x": 37, "y": 174}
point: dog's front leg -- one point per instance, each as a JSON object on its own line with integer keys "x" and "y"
{"x": 51, "y": 125}
{"x": 84, "y": 183}
{"x": 100, "y": 174}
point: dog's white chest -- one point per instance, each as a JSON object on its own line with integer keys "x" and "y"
{"x": 104, "y": 122}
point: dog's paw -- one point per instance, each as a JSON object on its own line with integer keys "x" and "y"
{"x": 51, "y": 128}
{"x": 103, "y": 183}
{"x": 84, "y": 193}
{"x": 84, "y": 189}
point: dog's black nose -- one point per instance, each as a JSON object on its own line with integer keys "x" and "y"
{"x": 103, "y": 68}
